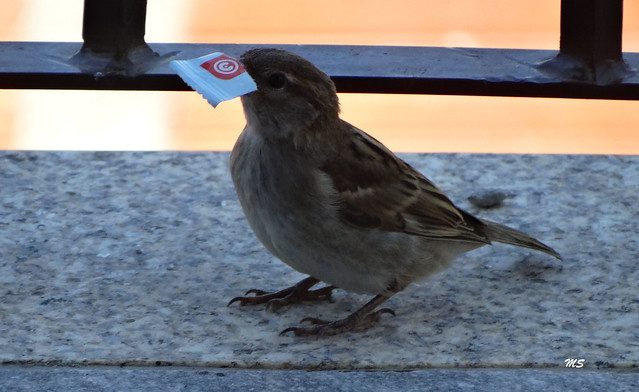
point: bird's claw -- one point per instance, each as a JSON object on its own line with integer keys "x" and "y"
{"x": 322, "y": 327}
{"x": 294, "y": 294}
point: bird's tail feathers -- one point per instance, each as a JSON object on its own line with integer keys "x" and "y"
{"x": 506, "y": 235}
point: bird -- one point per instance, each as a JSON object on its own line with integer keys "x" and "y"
{"x": 335, "y": 204}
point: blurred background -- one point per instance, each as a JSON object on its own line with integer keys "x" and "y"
{"x": 64, "y": 120}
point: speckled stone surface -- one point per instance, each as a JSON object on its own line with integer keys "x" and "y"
{"x": 131, "y": 257}
{"x": 102, "y": 378}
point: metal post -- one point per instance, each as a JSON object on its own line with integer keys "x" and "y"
{"x": 113, "y": 33}
{"x": 590, "y": 43}
{"x": 113, "y": 27}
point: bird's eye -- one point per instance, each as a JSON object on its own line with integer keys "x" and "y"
{"x": 277, "y": 80}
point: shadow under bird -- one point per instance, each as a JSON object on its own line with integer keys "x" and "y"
{"x": 334, "y": 203}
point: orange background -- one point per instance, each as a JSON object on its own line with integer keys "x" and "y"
{"x": 170, "y": 120}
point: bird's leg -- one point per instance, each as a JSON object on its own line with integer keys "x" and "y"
{"x": 294, "y": 294}
{"x": 363, "y": 318}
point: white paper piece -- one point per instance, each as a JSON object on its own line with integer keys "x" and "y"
{"x": 216, "y": 76}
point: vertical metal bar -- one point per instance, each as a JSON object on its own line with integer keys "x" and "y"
{"x": 590, "y": 43}
{"x": 113, "y": 26}
{"x": 113, "y": 33}
{"x": 591, "y": 30}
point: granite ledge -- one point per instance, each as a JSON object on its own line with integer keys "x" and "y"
{"x": 131, "y": 257}
{"x": 100, "y": 378}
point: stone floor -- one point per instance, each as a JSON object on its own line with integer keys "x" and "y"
{"x": 129, "y": 258}
{"x": 108, "y": 379}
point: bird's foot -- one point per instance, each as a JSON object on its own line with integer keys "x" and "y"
{"x": 294, "y": 294}
{"x": 363, "y": 318}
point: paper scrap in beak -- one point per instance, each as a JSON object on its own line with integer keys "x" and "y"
{"x": 216, "y": 76}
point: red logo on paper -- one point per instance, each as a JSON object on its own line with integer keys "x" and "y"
{"x": 223, "y": 67}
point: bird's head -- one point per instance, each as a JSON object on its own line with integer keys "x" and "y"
{"x": 293, "y": 95}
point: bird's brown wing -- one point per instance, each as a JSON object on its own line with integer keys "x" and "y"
{"x": 375, "y": 189}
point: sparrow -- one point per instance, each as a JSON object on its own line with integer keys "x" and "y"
{"x": 335, "y": 204}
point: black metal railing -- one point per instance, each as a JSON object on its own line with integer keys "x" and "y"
{"x": 114, "y": 55}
